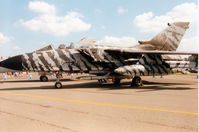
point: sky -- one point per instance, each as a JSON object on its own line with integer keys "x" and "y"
{"x": 28, "y": 25}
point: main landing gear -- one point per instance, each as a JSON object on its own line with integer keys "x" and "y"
{"x": 58, "y": 84}
{"x": 136, "y": 82}
{"x": 116, "y": 81}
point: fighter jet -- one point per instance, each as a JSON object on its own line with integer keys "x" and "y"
{"x": 157, "y": 56}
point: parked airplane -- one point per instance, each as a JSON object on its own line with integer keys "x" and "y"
{"x": 157, "y": 56}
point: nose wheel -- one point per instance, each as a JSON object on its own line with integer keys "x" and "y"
{"x": 136, "y": 82}
{"x": 58, "y": 85}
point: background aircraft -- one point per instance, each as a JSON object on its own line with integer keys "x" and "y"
{"x": 154, "y": 57}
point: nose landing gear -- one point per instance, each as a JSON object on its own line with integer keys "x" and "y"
{"x": 58, "y": 84}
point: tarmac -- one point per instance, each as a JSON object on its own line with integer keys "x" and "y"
{"x": 168, "y": 104}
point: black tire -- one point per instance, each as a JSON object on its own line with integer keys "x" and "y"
{"x": 43, "y": 78}
{"x": 137, "y": 81}
{"x": 58, "y": 85}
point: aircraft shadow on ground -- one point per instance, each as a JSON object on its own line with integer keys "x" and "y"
{"x": 148, "y": 86}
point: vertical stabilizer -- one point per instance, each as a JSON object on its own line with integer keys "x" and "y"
{"x": 170, "y": 38}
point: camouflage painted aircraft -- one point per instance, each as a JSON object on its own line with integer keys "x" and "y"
{"x": 157, "y": 56}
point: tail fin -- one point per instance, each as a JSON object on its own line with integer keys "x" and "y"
{"x": 169, "y": 39}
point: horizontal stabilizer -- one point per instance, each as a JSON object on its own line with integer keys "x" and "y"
{"x": 143, "y": 42}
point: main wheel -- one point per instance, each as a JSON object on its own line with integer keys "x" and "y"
{"x": 137, "y": 81}
{"x": 58, "y": 85}
{"x": 43, "y": 78}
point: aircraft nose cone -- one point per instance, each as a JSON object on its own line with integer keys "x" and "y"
{"x": 14, "y": 63}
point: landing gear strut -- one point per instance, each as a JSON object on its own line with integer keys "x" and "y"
{"x": 58, "y": 84}
{"x": 116, "y": 81}
{"x": 136, "y": 82}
